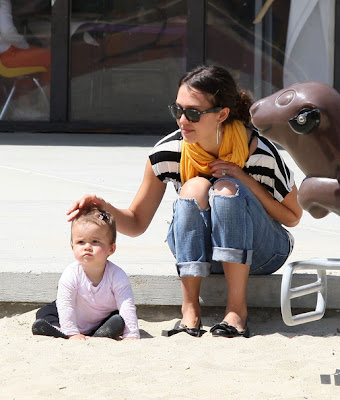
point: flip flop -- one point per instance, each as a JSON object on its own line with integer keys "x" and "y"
{"x": 44, "y": 328}
{"x": 178, "y": 328}
{"x": 223, "y": 329}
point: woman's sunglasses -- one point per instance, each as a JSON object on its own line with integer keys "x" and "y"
{"x": 190, "y": 114}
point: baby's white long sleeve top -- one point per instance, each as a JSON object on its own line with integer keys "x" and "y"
{"x": 82, "y": 306}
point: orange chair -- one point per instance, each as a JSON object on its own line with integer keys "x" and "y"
{"x": 17, "y": 73}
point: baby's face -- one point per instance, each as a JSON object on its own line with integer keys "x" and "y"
{"x": 91, "y": 244}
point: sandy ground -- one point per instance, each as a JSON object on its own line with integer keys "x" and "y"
{"x": 276, "y": 362}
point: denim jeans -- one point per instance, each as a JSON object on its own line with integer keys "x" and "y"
{"x": 233, "y": 229}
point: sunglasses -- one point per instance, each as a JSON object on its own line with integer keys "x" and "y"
{"x": 190, "y": 114}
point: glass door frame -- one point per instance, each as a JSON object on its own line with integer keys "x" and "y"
{"x": 60, "y": 73}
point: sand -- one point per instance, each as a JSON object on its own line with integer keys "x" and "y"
{"x": 276, "y": 362}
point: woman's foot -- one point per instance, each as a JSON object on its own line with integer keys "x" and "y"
{"x": 234, "y": 324}
{"x": 179, "y": 327}
{"x": 191, "y": 321}
{"x": 191, "y": 315}
{"x": 237, "y": 320}
{"x": 223, "y": 329}
{"x": 191, "y": 309}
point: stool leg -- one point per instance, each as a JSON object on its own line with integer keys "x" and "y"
{"x": 42, "y": 92}
{"x": 4, "y": 108}
{"x": 286, "y": 284}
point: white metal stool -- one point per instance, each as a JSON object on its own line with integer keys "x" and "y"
{"x": 319, "y": 286}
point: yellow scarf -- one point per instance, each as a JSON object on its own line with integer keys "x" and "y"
{"x": 234, "y": 148}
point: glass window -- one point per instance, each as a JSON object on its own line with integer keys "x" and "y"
{"x": 126, "y": 57}
{"x": 309, "y": 54}
{"x": 253, "y": 52}
{"x": 269, "y": 45}
{"x": 25, "y": 59}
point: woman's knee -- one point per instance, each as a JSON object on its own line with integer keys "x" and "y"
{"x": 197, "y": 188}
{"x": 225, "y": 187}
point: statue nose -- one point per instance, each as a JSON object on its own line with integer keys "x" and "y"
{"x": 253, "y": 108}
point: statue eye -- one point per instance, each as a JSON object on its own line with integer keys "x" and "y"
{"x": 305, "y": 121}
{"x": 285, "y": 98}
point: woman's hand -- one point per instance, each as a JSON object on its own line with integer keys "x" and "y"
{"x": 221, "y": 169}
{"x": 87, "y": 200}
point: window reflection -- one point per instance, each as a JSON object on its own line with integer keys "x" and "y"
{"x": 253, "y": 52}
{"x": 24, "y": 60}
{"x": 126, "y": 58}
{"x": 309, "y": 54}
{"x": 291, "y": 41}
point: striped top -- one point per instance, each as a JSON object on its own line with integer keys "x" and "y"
{"x": 265, "y": 165}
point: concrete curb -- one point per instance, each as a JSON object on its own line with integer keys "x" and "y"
{"x": 153, "y": 290}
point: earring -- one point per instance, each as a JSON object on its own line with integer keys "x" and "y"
{"x": 218, "y": 133}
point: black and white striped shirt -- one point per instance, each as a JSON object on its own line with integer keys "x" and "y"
{"x": 265, "y": 165}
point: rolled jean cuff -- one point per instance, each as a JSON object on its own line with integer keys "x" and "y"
{"x": 232, "y": 255}
{"x": 193, "y": 268}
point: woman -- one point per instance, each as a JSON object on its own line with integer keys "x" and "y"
{"x": 235, "y": 192}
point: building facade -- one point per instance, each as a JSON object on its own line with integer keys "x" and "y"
{"x": 113, "y": 66}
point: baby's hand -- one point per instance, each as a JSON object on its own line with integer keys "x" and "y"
{"x": 79, "y": 336}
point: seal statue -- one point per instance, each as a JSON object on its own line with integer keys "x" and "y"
{"x": 305, "y": 119}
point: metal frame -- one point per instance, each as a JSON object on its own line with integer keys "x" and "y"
{"x": 196, "y": 33}
{"x": 60, "y": 50}
{"x": 319, "y": 286}
{"x": 337, "y": 47}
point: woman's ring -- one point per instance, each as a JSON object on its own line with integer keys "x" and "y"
{"x": 223, "y": 172}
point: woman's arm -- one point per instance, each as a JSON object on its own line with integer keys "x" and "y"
{"x": 288, "y": 212}
{"x": 134, "y": 220}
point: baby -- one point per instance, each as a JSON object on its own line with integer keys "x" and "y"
{"x": 94, "y": 295}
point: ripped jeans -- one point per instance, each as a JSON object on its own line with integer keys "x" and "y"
{"x": 234, "y": 229}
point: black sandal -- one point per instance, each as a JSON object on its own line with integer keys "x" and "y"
{"x": 225, "y": 330}
{"x": 178, "y": 328}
